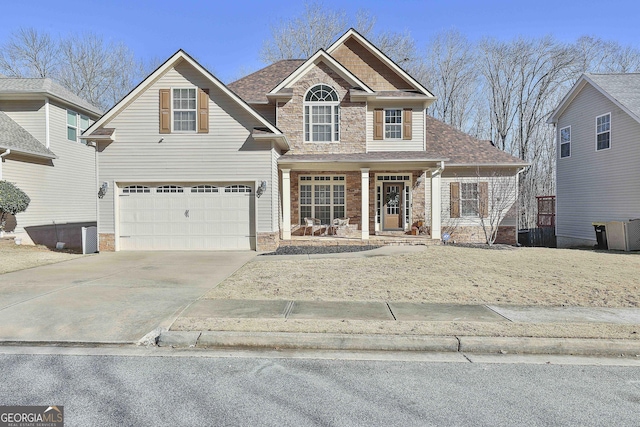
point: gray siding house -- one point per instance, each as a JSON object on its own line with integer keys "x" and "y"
{"x": 598, "y": 136}
{"x": 42, "y": 153}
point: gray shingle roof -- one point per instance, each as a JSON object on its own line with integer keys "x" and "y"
{"x": 16, "y": 138}
{"x": 625, "y": 88}
{"x": 379, "y": 156}
{"x": 44, "y": 86}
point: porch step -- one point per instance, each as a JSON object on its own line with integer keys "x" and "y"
{"x": 373, "y": 240}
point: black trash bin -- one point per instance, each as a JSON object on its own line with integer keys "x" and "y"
{"x": 601, "y": 235}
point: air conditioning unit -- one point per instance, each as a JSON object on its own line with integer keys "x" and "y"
{"x": 623, "y": 235}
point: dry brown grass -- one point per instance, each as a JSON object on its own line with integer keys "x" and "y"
{"x": 18, "y": 257}
{"x": 449, "y": 274}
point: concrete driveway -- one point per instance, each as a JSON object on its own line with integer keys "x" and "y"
{"x": 109, "y": 297}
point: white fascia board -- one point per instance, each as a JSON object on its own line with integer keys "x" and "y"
{"x": 161, "y": 70}
{"x": 320, "y": 55}
{"x": 381, "y": 56}
{"x": 580, "y": 84}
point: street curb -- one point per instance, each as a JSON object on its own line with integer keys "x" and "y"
{"x": 425, "y": 343}
{"x": 567, "y": 346}
{"x": 318, "y": 341}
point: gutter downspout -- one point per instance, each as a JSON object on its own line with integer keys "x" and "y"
{"x": 47, "y": 133}
{"x": 95, "y": 146}
{"x": 6, "y": 153}
{"x": 436, "y": 201}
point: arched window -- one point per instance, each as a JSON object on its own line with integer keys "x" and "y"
{"x": 321, "y": 114}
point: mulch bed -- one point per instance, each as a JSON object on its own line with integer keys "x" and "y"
{"x": 307, "y": 250}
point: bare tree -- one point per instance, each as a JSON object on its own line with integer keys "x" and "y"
{"x": 497, "y": 194}
{"x": 318, "y": 26}
{"x": 452, "y": 74}
{"x": 102, "y": 73}
{"x": 29, "y": 53}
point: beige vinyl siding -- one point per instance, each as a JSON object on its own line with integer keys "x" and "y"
{"x": 464, "y": 175}
{"x": 226, "y": 154}
{"x": 268, "y": 111}
{"x": 596, "y": 185}
{"x": 415, "y": 144}
{"x": 274, "y": 190}
{"x": 30, "y": 114}
{"x": 62, "y": 190}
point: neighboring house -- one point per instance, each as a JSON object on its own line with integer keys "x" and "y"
{"x": 598, "y": 136}
{"x": 189, "y": 163}
{"x": 41, "y": 151}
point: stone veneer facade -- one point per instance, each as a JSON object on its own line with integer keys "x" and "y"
{"x": 290, "y": 116}
{"x": 107, "y": 242}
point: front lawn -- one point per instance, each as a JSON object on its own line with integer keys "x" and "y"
{"x": 449, "y": 274}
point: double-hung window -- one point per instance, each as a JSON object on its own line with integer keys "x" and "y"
{"x": 393, "y": 124}
{"x": 321, "y": 115}
{"x": 603, "y": 132}
{"x": 469, "y": 199}
{"x": 184, "y": 109}
{"x": 76, "y": 124}
{"x": 565, "y": 142}
{"x": 322, "y": 197}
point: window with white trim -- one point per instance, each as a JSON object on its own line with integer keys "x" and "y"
{"x": 170, "y": 189}
{"x": 565, "y": 142}
{"x": 204, "y": 189}
{"x": 76, "y": 124}
{"x": 131, "y": 189}
{"x": 469, "y": 198}
{"x": 603, "y": 132}
{"x": 321, "y": 115}
{"x": 322, "y": 197}
{"x": 237, "y": 189}
{"x": 184, "y": 109}
{"x": 393, "y": 124}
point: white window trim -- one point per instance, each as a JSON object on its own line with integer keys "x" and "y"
{"x": 173, "y": 110}
{"x": 406, "y": 205}
{"x": 310, "y": 104}
{"x": 610, "y": 134}
{"x": 313, "y": 182}
{"x": 78, "y": 126}
{"x": 401, "y": 124}
{"x": 560, "y": 143}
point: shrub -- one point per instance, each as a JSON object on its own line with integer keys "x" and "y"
{"x": 12, "y": 201}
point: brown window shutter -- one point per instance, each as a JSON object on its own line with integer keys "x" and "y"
{"x": 165, "y": 111}
{"x": 407, "y": 125}
{"x": 203, "y": 110}
{"x": 483, "y": 199}
{"x": 454, "y": 200}
{"x": 378, "y": 123}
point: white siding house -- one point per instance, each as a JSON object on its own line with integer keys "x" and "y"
{"x": 42, "y": 153}
{"x": 598, "y": 137}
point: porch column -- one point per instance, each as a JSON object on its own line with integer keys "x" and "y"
{"x": 436, "y": 204}
{"x": 286, "y": 204}
{"x": 365, "y": 203}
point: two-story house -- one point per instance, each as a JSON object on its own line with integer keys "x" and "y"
{"x": 195, "y": 164}
{"x": 597, "y": 175}
{"x": 42, "y": 153}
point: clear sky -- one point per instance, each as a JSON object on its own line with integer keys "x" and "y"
{"x": 226, "y": 36}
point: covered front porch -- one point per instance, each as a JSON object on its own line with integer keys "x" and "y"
{"x": 386, "y": 197}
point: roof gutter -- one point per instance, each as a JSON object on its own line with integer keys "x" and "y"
{"x": 438, "y": 170}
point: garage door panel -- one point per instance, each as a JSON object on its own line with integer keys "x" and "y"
{"x": 186, "y": 221}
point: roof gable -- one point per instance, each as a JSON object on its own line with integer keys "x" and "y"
{"x": 170, "y": 63}
{"x": 318, "y": 57}
{"x": 621, "y": 89}
{"x": 372, "y": 57}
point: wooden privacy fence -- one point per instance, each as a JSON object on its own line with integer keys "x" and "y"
{"x": 544, "y": 235}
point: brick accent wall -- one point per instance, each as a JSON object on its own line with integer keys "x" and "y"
{"x": 474, "y": 234}
{"x": 268, "y": 241}
{"x": 107, "y": 242}
{"x": 290, "y": 116}
{"x": 368, "y": 68}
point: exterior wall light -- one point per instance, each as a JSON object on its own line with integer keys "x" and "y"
{"x": 261, "y": 189}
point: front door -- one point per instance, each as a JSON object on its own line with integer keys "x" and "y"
{"x": 392, "y": 209}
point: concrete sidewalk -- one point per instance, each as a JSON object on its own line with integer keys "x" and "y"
{"x": 399, "y": 312}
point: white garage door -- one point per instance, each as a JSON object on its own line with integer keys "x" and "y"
{"x": 173, "y": 217}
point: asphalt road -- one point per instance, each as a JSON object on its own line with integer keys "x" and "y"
{"x": 108, "y": 390}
